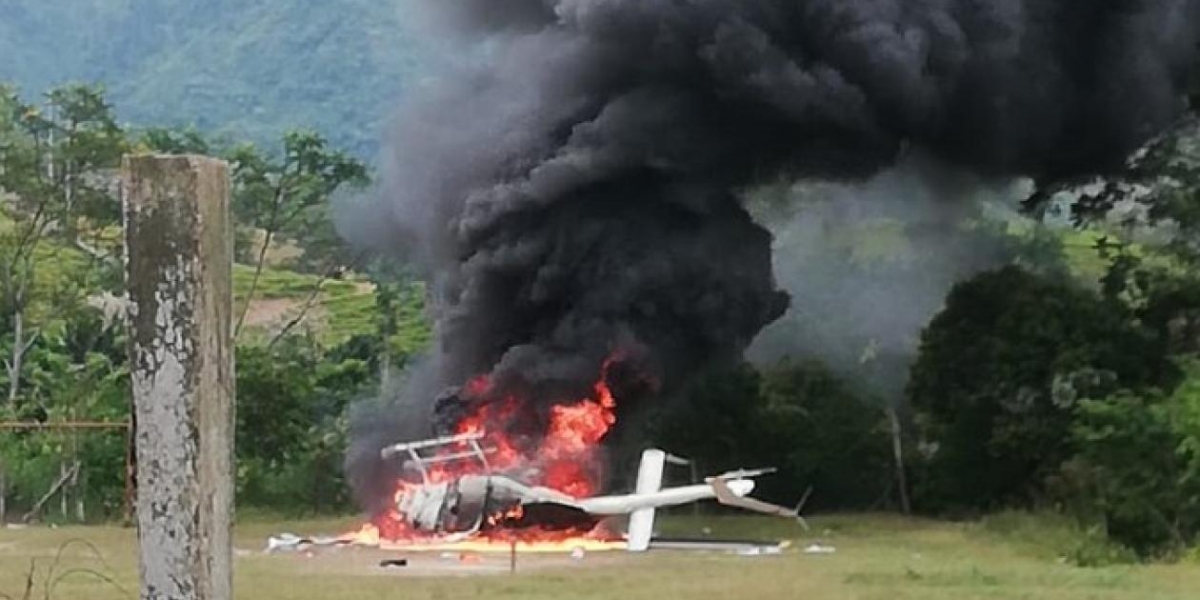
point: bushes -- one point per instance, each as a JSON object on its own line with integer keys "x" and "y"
{"x": 291, "y": 428}
{"x": 32, "y": 463}
{"x": 75, "y": 370}
{"x": 999, "y": 372}
{"x": 1051, "y": 536}
{"x": 1137, "y": 470}
{"x": 290, "y": 424}
{"x": 1034, "y": 391}
{"x": 825, "y": 436}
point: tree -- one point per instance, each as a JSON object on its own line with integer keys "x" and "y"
{"x": 999, "y": 372}
{"x": 52, "y": 173}
{"x": 1137, "y": 472}
{"x": 823, "y": 434}
{"x": 288, "y": 199}
{"x": 84, "y": 142}
{"x": 292, "y": 399}
{"x": 169, "y": 141}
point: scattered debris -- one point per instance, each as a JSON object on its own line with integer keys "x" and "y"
{"x": 287, "y": 542}
{"x": 819, "y": 549}
{"x": 743, "y": 547}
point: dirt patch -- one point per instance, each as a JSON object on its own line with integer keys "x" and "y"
{"x": 273, "y": 314}
{"x": 265, "y": 313}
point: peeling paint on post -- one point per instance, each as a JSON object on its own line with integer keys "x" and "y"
{"x": 179, "y": 277}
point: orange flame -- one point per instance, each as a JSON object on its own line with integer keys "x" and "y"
{"x": 564, "y": 459}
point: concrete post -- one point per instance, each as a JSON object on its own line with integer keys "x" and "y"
{"x": 179, "y": 277}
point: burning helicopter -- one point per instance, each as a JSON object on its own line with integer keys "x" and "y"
{"x": 482, "y": 501}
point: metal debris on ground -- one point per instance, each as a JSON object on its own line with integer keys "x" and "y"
{"x": 759, "y": 551}
{"x": 287, "y": 542}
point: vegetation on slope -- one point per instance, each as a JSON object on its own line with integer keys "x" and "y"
{"x": 243, "y": 70}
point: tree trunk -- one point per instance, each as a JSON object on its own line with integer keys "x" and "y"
{"x": 18, "y": 356}
{"x": 268, "y": 237}
{"x": 385, "y": 366}
{"x": 898, "y": 453}
{"x": 69, "y": 476}
{"x": 54, "y": 489}
{"x": 3, "y": 496}
{"x": 258, "y": 269}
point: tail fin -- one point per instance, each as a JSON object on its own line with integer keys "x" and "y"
{"x": 649, "y": 481}
{"x": 730, "y": 495}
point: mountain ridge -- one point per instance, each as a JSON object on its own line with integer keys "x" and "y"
{"x": 231, "y": 69}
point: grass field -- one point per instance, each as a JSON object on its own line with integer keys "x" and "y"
{"x": 877, "y": 557}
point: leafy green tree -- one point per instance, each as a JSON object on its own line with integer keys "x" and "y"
{"x": 999, "y": 373}
{"x": 1137, "y": 472}
{"x": 290, "y": 428}
{"x": 170, "y": 141}
{"x": 76, "y": 370}
{"x": 1135, "y": 468}
{"x": 85, "y": 144}
{"x": 824, "y": 435}
{"x": 55, "y": 165}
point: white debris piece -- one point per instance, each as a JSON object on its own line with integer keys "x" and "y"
{"x": 819, "y": 549}
{"x": 288, "y": 542}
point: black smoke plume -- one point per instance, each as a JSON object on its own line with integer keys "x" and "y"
{"x": 573, "y": 188}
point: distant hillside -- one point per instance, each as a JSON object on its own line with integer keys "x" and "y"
{"x": 246, "y": 69}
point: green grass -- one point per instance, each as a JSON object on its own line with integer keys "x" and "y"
{"x": 276, "y": 284}
{"x": 877, "y": 558}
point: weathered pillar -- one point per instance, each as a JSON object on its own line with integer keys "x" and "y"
{"x": 179, "y": 243}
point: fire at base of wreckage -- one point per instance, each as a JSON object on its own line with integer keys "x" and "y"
{"x": 481, "y": 491}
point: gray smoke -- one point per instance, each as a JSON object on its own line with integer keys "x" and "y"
{"x": 867, "y": 264}
{"x": 572, "y": 188}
